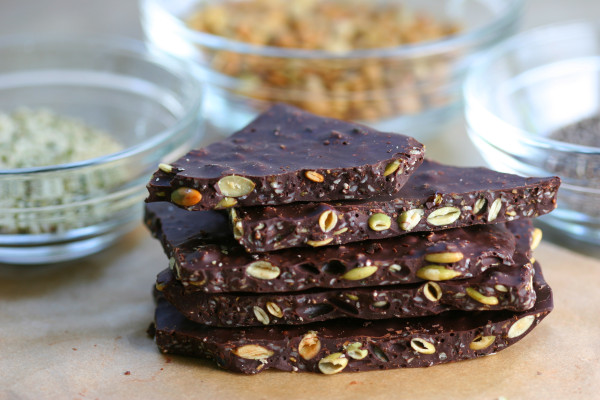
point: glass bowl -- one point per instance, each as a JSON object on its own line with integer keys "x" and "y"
{"x": 525, "y": 89}
{"x": 411, "y": 89}
{"x": 147, "y": 100}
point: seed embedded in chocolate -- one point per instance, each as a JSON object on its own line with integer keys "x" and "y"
{"x": 186, "y": 197}
{"x": 333, "y": 363}
{"x": 314, "y": 176}
{"x": 482, "y": 342}
{"x": 235, "y": 186}
{"x": 380, "y": 222}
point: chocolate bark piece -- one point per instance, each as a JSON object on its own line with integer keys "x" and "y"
{"x": 211, "y": 263}
{"x": 352, "y": 345}
{"x": 287, "y": 155}
{"x": 436, "y": 197}
{"x": 502, "y": 288}
{"x": 499, "y": 287}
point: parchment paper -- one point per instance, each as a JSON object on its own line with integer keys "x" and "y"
{"x": 77, "y": 331}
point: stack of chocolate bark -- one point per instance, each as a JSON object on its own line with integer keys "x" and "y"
{"x": 310, "y": 244}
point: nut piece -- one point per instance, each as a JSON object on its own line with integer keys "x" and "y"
{"x": 274, "y": 309}
{"x": 263, "y": 270}
{"x": 409, "y": 219}
{"x": 520, "y": 327}
{"x": 173, "y": 266}
{"x": 494, "y": 210}
{"x": 380, "y": 222}
{"x": 352, "y": 296}
{"x": 354, "y": 351}
{"x": 235, "y": 186}
{"x": 317, "y": 243}
{"x": 309, "y": 346}
{"x": 261, "y": 315}
{"x": 432, "y": 291}
{"x": 238, "y": 230}
{"x": 328, "y": 220}
{"x": 379, "y": 304}
{"x": 536, "y": 238}
{"x": 233, "y": 215}
{"x": 198, "y": 283}
{"x": 314, "y": 176}
{"x": 391, "y": 167}
{"x": 482, "y": 342}
{"x": 340, "y": 231}
{"x": 501, "y": 288}
{"x": 489, "y": 300}
{"x": 186, "y": 197}
{"x": 238, "y": 227}
{"x": 159, "y": 286}
{"x": 437, "y": 273}
{"x": 449, "y": 257}
{"x": 333, "y": 363}
{"x": 443, "y": 216}
{"x": 422, "y": 346}
{"x": 168, "y": 168}
{"x": 226, "y": 202}
{"x": 359, "y": 273}
{"x": 479, "y": 204}
{"x": 395, "y": 268}
{"x": 253, "y": 352}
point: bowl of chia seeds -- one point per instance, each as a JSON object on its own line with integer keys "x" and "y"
{"x": 83, "y": 124}
{"x": 532, "y": 106}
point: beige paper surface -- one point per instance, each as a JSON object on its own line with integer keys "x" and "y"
{"x": 78, "y": 332}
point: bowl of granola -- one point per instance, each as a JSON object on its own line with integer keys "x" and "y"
{"x": 394, "y": 65}
{"x": 83, "y": 124}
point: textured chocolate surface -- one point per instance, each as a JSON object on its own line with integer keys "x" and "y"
{"x": 279, "y": 147}
{"x": 432, "y": 187}
{"x": 509, "y": 286}
{"x": 388, "y": 342}
{"x": 205, "y": 257}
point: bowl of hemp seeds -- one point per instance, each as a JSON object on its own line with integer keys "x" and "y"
{"x": 394, "y": 65}
{"x": 532, "y": 106}
{"x": 83, "y": 124}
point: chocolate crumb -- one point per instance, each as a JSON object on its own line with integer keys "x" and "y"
{"x": 151, "y": 330}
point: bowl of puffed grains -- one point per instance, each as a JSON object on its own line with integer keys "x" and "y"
{"x": 394, "y": 65}
{"x": 83, "y": 124}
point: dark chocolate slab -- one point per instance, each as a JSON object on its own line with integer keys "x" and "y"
{"x": 504, "y": 288}
{"x": 212, "y": 263}
{"x": 280, "y": 152}
{"x": 431, "y": 189}
{"x": 391, "y": 343}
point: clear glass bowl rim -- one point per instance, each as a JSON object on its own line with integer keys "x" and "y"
{"x": 478, "y": 73}
{"x": 440, "y": 46}
{"x": 148, "y": 52}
